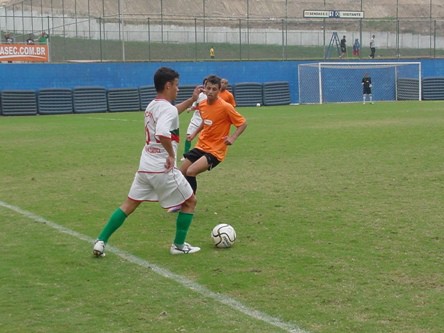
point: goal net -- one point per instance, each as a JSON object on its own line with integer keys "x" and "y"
{"x": 340, "y": 82}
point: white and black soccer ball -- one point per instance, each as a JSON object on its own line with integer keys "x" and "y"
{"x": 223, "y": 235}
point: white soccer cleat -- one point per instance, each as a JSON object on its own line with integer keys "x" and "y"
{"x": 99, "y": 248}
{"x": 186, "y": 249}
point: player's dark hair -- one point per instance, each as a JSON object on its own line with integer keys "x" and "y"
{"x": 214, "y": 79}
{"x": 162, "y": 76}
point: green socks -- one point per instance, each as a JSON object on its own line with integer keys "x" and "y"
{"x": 114, "y": 222}
{"x": 187, "y": 146}
{"x": 183, "y": 223}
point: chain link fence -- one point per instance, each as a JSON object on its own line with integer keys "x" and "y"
{"x": 114, "y": 30}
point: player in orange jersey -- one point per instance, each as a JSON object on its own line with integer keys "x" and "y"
{"x": 217, "y": 118}
{"x": 225, "y": 94}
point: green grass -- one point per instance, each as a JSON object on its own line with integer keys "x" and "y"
{"x": 338, "y": 211}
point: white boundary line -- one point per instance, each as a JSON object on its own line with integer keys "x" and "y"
{"x": 232, "y": 303}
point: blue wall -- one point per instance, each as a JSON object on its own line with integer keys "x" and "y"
{"x": 130, "y": 75}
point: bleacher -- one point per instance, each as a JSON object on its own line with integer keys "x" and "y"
{"x": 96, "y": 99}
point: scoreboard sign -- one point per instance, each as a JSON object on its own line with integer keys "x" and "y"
{"x": 340, "y": 14}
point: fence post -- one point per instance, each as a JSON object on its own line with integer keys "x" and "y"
{"x": 100, "y": 39}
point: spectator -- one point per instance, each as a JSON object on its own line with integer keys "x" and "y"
{"x": 30, "y": 39}
{"x": 372, "y": 47}
{"x": 357, "y": 48}
{"x": 43, "y": 39}
{"x": 9, "y": 38}
{"x": 343, "y": 47}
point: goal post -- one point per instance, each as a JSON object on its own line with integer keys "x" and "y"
{"x": 341, "y": 82}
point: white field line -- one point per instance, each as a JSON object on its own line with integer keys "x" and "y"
{"x": 112, "y": 119}
{"x": 181, "y": 280}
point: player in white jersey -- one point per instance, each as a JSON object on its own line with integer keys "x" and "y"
{"x": 193, "y": 126}
{"x": 195, "y": 121}
{"x": 157, "y": 178}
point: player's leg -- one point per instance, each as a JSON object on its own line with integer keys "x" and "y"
{"x": 172, "y": 191}
{"x": 183, "y": 223}
{"x": 199, "y": 166}
{"x": 139, "y": 191}
{"x": 116, "y": 220}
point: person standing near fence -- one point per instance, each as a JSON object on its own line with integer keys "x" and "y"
{"x": 356, "y": 48}
{"x": 212, "y": 52}
{"x": 372, "y": 47}
{"x": 43, "y": 39}
{"x": 343, "y": 47}
{"x": 30, "y": 40}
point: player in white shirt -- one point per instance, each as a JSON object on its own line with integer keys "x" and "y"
{"x": 195, "y": 121}
{"x": 193, "y": 126}
{"x": 157, "y": 178}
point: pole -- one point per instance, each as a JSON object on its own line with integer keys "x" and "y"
{"x": 431, "y": 28}
{"x": 397, "y": 29}
{"x": 100, "y": 32}
{"x": 121, "y": 28}
{"x": 360, "y": 34}
{"x": 161, "y": 20}
{"x": 204, "y": 16}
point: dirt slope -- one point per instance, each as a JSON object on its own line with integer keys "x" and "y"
{"x": 239, "y": 8}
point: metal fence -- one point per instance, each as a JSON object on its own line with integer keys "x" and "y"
{"x": 81, "y": 30}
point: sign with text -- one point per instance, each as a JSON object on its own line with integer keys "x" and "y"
{"x": 24, "y": 52}
{"x": 341, "y": 14}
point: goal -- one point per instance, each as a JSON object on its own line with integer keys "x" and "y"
{"x": 341, "y": 82}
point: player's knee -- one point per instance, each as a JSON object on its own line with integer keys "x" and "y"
{"x": 190, "y": 203}
{"x": 129, "y": 206}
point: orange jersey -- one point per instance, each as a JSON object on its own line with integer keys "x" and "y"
{"x": 227, "y": 97}
{"x": 217, "y": 119}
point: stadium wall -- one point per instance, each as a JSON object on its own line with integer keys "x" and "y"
{"x": 132, "y": 75}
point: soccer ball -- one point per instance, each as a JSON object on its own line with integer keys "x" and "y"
{"x": 223, "y": 235}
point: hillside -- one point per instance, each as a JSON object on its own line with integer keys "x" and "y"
{"x": 237, "y": 8}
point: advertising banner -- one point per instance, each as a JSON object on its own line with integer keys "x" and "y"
{"x": 24, "y": 52}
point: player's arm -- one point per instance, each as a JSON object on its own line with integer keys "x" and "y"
{"x": 232, "y": 100}
{"x": 181, "y": 107}
{"x": 229, "y": 140}
{"x": 196, "y": 132}
{"x": 167, "y": 144}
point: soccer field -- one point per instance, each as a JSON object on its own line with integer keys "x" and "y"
{"x": 338, "y": 210}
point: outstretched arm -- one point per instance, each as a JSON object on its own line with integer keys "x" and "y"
{"x": 181, "y": 107}
{"x": 196, "y": 132}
